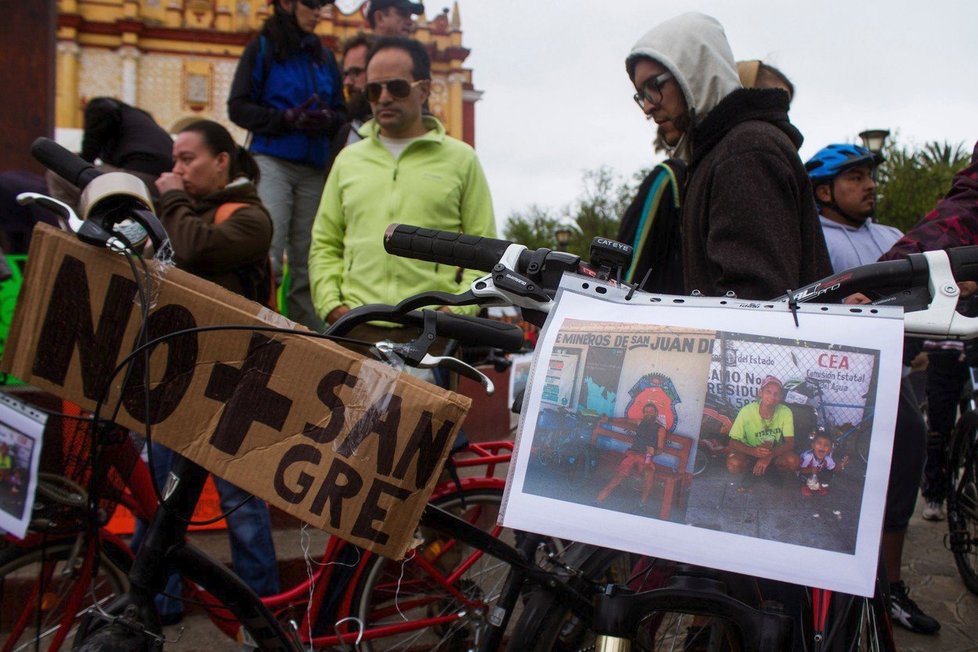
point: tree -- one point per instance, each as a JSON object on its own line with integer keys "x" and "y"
{"x": 596, "y": 213}
{"x": 911, "y": 181}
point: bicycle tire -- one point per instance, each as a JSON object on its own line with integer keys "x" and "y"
{"x": 962, "y": 507}
{"x": 42, "y": 568}
{"x": 391, "y": 592}
{"x": 859, "y": 624}
{"x": 546, "y": 623}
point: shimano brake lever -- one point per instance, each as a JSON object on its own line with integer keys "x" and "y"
{"x": 402, "y": 351}
{"x": 67, "y": 217}
{"x": 461, "y": 368}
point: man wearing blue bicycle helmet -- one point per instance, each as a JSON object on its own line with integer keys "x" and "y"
{"x": 845, "y": 191}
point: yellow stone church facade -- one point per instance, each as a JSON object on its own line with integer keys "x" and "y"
{"x": 176, "y": 58}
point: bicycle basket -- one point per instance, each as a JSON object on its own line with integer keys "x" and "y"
{"x": 68, "y": 451}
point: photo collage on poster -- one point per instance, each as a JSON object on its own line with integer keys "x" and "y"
{"x": 733, "y": 435}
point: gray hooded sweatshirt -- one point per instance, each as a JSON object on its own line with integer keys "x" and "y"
{"x": 749, "y": 223}
{"x": 708, "y": 54}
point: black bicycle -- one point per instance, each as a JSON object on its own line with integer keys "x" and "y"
{"x": 962, "y": 493}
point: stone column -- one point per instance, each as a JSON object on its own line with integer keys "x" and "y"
{"x": 130, "y": 74}
{"x": 66, "y": 106}
{"x": 453, "y": 106}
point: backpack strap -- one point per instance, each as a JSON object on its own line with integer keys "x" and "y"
{"x": 226, "y": 210}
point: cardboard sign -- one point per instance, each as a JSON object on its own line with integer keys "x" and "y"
{"x": 810, "y": 514}
{"x": 344, "y": 443}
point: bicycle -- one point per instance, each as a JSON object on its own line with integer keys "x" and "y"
{"x": 930, "y": 278}
{"x": 129, "y": 622}
{"x": 470, "y": 497}
{"x": 571, "y": 595}
{"x": 56, "y": 563}
{"x": 962, "y": 488}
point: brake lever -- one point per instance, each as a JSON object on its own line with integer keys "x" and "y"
{"x": 461, "y": 368}
{"x": 88, "y": 231}
{"x": 940, "y": 318}
{"x": 394, "y": 351}
{"x": 67, "y": 217}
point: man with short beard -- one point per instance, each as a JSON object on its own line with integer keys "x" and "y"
{"x": 845, "y": 191}
{"x": 354, "y": 73}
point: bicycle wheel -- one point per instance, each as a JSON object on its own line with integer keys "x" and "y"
{"x": 441, "y": 595}
{"x": 546, "y": 623}
{"x": 44, "y": 582}
{"x": 858, "y": 624}
{"x": 962, "y": 508}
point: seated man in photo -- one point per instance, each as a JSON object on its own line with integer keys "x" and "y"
{"x": 762, "y": 433}
{"x": 650, "y": 437}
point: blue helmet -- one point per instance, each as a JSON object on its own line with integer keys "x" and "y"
{"x": 831, "y": 161}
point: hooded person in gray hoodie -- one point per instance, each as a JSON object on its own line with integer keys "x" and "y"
{"x": 749, "y": 221}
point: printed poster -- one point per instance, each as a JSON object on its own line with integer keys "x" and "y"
{"x": 21, "y": 428}
{"x": 712, "y": 432}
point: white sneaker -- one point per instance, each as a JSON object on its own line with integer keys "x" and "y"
{"x": 934, "y": 511}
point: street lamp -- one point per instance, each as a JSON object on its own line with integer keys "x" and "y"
{"x": 563, "y": 235}
{"x": 874, "y": 139}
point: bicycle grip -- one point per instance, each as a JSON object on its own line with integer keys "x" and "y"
{"x": 479, "y": 332}
{"x": 64, "y": 163}
{"x": 964, "y": 263}
{"x": 446, "y": 247}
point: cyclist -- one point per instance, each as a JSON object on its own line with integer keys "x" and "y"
{"x": 842, "y": 180}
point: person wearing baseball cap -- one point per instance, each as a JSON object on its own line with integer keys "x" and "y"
{"x": 762, "y": 433}
{"x": 393, "y": 17}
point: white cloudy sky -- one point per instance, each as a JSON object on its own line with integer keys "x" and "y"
{"x": 557, "y": 100}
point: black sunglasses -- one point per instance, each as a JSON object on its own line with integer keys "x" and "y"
{"x": 315, "y": 4}
{"x": 398, "y": 88}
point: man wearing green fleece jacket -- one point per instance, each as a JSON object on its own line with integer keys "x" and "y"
{"x": 406, "y": 170}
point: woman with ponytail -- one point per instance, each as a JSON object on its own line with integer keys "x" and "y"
{"x": 220, "y": 231}
{"x": 210, "y": 208}
{"x": 287, "y": 91}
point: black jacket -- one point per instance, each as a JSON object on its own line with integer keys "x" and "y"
{"x": 125, "y": 137}
{"x": 749, "y": 219}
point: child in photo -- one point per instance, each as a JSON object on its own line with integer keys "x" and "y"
{"x": 816, "y": 463}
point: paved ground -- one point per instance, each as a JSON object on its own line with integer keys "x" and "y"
{"x": 929, "y": 571}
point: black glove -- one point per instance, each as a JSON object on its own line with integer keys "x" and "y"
{"x": 293, "y": 116}
{"x": 317, "y": 121}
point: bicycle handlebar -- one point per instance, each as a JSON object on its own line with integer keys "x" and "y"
{"x": 468, "y": 330}
{"x": 64, "y": 163}
{"x": 447, "y": 247}
{"x": 912, "y": 271}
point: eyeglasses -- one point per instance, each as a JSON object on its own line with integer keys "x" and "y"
{"x": 398, "y": 88}
{"x": 651, "y": 91}
{"x": 354, "y": 72}
{"x": 315, "y": 4}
